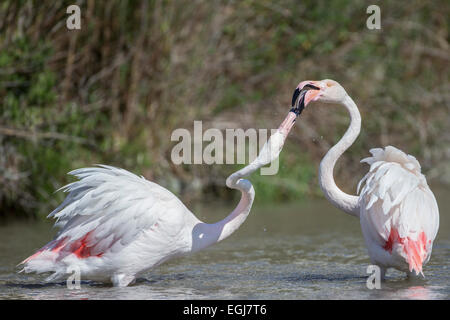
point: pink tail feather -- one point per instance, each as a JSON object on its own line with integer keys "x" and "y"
{"x": 415, "y": 250}
{"x": 53, "y": 246}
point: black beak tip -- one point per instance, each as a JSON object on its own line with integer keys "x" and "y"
{"x": 297, "y": 107}
{"x": 295, "y": 96}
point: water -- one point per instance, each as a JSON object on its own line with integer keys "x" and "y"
{"x": 294, "y": 251}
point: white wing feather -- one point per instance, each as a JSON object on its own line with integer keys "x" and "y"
{"x": 395, "y": 197}
{"x": 108, "y": 208}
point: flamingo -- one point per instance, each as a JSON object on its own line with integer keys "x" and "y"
{"x": 115, "y": 225}
{"x": 398, "y": 212}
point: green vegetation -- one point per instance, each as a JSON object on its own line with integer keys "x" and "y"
{"x": 114, "y": 91}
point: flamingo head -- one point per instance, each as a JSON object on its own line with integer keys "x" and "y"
{"x": 328, "y": 91}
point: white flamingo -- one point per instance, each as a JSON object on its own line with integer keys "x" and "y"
{"x": 116, "y": 225}
{"x": 398, "y": 212}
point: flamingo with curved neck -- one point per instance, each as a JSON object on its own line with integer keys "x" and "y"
{"x": 115, "y": 225}
{"x": 398, "y": 212}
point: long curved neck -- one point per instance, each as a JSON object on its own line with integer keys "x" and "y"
{"x": 204, "y": 234}
{"x": 234, "y": 220}
{"x": 336, "y": 196}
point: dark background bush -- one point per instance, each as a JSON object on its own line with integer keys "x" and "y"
{"x": 114, "y": 91}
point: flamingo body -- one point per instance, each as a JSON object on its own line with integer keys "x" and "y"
{"x": 398, "y": 212}
{"x": 114, "y": 225}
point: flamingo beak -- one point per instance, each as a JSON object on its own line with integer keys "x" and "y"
{"x": 303, "y": 95}
{"x": 300, "y": 99}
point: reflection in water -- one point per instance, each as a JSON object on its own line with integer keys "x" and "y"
{"x": 299, "y": 251}
{"x": 421, "y": 293}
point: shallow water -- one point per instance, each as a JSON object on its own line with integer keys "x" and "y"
{"x": 296, "y": 251}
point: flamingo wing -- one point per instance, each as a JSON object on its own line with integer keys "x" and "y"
{"x": 107, "y": 209}
{"x": 399, "y": 213}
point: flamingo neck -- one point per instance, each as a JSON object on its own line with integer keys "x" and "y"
{"x": 234, "y": 220}
{"x": 205, "y": 234}
{"x": 346, "y": 202}
{"x": 268, "y": 153}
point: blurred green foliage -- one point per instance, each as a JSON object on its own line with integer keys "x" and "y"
{"x": 114, "y": 91}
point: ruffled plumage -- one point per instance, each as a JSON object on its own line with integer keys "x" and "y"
{"x": 398, "y": 210}
{"x": 109, "y": 217}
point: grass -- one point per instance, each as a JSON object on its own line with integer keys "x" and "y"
{"x": 114, "y": 91}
